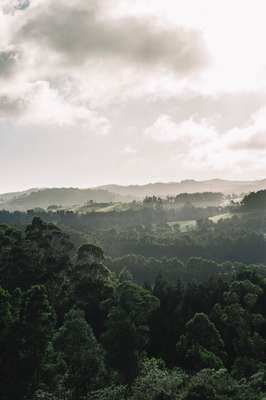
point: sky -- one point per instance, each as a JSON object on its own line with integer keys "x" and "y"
{"x": 94, "y": 92}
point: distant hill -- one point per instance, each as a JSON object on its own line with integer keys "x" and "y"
{"x": 64, "y": 197}
{"x": 187, "y": 186}
{"x": 12, "y": 195}
{"x": 69, "y": 197}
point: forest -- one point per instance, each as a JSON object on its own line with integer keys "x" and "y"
{"x": 144, "y": 312}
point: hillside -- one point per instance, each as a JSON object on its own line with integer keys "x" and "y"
{"x": 69, "y": 197}
{"x": 187, "y": 186}
{"x": 4, "y": 197}
{"x": 63, "y": 197}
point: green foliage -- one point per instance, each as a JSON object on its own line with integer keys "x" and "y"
{"x": 220, "y": 385}
{"x": 255, "y": 201}
{"x": 127, "y": 332}
{"x": 37, "y": 324}
{"x": 155, "y": 382}
{"x": 201, "y": 346}
{"x": 75, "y": 325}
{"x": 5, "y": 314}
{"x": 80, "y": 353}
{"x": 109, "y": 393}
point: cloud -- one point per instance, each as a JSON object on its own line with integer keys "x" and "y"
{"x": 10, "y": 6}
{"x": 251, "y": 138}
{"x": 76, "y": 66}
{"x": 129, "y": 150}
{"x": 10, "y": 106}
{"x": 184, "y": 134}
{"x": 40, "y": 104}
{"x": 21, "y": 4}
{"x": 45, "y": 105}
{"x": 198, "y": 146}
{"x": 8, "y": 60}
{"x": 79, "y": 33}
{"x": 60, "y": 59}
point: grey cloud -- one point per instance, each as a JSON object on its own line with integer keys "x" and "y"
{"x": 10, "y": 107}
{"x": 11, "y": 6}
{"x": 82, "y": 33}
{"x": 216, "y": 109}
{"x": 8, "y": 59}
{"x": 22, "y": 4}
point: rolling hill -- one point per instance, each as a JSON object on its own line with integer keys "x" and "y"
{"x": 187, "y": 186}
{"x": 62, "y": 197}
{"x": 69, "y": 197}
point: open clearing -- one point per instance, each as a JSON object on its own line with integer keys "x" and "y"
{"x": 184, "y": 225}
{"x": 219, "y": 217}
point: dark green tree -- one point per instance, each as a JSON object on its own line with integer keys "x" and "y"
{"x": 127, "y": 329}
{"x": 81, "y": 354}
{"x": 37, "y": 326}
{"x": 201, "y": 346}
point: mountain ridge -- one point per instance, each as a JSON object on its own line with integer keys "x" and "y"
{"x": 69, "y": 196}
{"x": 190, "y": 186}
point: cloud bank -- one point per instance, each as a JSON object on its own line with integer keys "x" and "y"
{"x": 162, "y": 90}
{"x": 197, "y": 144}
{"x": 81, "y": 33}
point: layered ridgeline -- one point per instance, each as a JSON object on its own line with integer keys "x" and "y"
{"x": 188, "y": 186}
{"x": 60, "y": 197}
{"x": 71, "y": 197}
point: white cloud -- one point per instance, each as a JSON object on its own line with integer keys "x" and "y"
{"x": 129, "y": 150}
{"x": 185, "y": 133}
{"x": 40, "y": 104}
{"x": 46, "y": 106}
{"x": 198, "y": 146}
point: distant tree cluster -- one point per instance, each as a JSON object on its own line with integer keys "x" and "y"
{"x": 197, "y": 199}
{"x": 255, "y": 201}
{"x": 94, "y": 220}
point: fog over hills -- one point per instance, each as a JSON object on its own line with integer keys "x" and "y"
{"x": 12, "y": 195}
{"x": 187, "y": 186}
{"x": 67, "y": 197}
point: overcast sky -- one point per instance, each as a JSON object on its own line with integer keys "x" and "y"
{"x": 131, "y": 91}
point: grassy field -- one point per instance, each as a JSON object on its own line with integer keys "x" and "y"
{"x": 219, "y": 217}
{"x": 189, "y": 225}
{"x": 107, "y": 207}
{"x": 184, "y": 225}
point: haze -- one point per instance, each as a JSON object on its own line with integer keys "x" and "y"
{"x": 102, "y": 91}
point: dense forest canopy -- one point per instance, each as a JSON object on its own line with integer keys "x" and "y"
{"x": 132, "y": 312}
